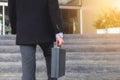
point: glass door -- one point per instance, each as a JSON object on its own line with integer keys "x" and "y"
{"x": 7, "y": 23}
{"x": 71, "y": 13}
{"x": 4, "y": 21}
{"x": 71, "y": 21}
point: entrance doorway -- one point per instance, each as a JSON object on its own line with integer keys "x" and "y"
{"x": 71, "y": 13}
{"x": 71, "y": 21}
{"x": 4, "y": 20}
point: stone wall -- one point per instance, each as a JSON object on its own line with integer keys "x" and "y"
{"x": 3, "y": 0}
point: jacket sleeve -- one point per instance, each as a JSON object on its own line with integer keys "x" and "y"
{"x": 12, "y": 14}
{"x": 54, "y": 12}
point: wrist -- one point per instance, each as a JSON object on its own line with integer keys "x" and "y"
{"x": 59, "y": 35}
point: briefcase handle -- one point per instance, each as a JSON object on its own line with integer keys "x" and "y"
{"x": 56, "y": 45}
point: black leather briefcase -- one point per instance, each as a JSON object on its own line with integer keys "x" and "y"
{"x": 58, "y": 62}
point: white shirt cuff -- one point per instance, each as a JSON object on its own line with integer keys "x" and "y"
{"x": 59, "y": 35}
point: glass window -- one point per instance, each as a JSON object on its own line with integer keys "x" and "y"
{"x": 4, "y": 20}
{"x": 71, "y": 21}
{"x": 3, "y": 0}
{"x": 7, "y": 23}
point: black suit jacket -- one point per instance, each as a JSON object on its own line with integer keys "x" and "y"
{"x": 34, "y": 21}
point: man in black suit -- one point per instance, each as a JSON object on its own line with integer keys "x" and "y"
{"x": 35, "y": 22}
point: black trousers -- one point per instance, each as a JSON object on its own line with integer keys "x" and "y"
{"x": 29, "y": 60}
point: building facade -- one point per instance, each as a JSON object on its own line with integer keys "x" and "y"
{"x": 70, "y": 14}
{"x": 78, "y": 16}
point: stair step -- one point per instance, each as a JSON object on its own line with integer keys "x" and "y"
{"x": 71, "y": 67}
{"x": 7, "y": 37}
{"x": 70, "y": 48}
{"x": 39, "y": 76}
{"x": 77, "y": 53}
{"x": 7, "y": 43}
{"x": 72, "y": 42}
{"x": 98, "y": 36}
{"x": 71, "y": 62}
{"x": 92, "y": 48}
{"x": 71, "y": 36}
{"x": 70, "y": 76}
{"x": 73, "y": 56}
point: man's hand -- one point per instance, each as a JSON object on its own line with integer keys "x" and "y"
{"x": 59, "y": 41}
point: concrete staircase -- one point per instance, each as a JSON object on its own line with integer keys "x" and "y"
{"x": 89, "y": 57}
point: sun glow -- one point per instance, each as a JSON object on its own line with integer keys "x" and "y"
{"x": 116, "y": 4}
{"x": 106, "y": 6}
{"x": 111, "y": 3}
